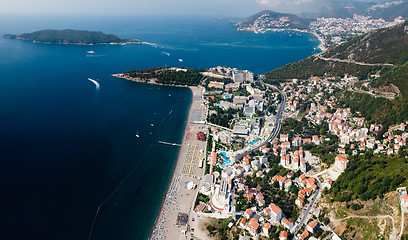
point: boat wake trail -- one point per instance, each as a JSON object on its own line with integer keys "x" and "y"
{"x": 167, "y": 53}
{"x": 94, "y": 82}
{"x": 96, "y": 88}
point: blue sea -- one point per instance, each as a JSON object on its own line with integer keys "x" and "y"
{"x": 71, "y": 166}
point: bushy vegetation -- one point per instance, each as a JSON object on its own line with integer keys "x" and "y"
{"x": 71, "y": 36}
{"x": 168, "y": 76}
{"x": 313, "y": 66}
{"x": 388, "y": 45}
{"x": 368, "y": 177}
{"x": 375, "y": 110}
{"x": 201, "y": 198}
{"x": 190, "y": 77}
{"x": 222, "y": 117}
{"x": 293, "y": 127}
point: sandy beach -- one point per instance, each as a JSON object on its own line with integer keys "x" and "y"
{"x": 173, "y": 220}
{"x": 322, "y": 44}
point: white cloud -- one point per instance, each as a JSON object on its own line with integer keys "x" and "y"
{"x": 283, "y": 3}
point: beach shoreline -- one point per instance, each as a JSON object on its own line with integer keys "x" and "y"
{"x": 172, "y": 174}
{"x": 173, "y": 202}
{"x": 322, "y": 45}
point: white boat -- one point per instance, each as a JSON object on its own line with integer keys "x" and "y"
{"x": 90, "y": 52}
{"x": 180, "y": 60}
{"x": 137, "y": 134}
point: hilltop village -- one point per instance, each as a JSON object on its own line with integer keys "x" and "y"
{"x": 274, "y": 152}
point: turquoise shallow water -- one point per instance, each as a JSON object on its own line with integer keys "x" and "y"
{"x": 67, "y": 148}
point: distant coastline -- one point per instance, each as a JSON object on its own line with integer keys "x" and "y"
{"x": 73, "y": 37}
{"x": 322, "y": 46}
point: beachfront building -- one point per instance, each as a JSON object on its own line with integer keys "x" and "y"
{"x": 218, "y": 85}
{"x": 221, "y": 197}
{"x": 207, "y": 184}
{"x": 242, "y": 76}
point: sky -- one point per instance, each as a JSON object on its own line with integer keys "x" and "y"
{"x": 221, "y": 8}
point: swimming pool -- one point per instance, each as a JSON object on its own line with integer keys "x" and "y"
{"x": 227, "y": 161}
{"x": 254, "y": 141}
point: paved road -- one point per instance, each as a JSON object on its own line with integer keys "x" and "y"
{"x": 373, "y": 94}
{"x": 307, "y": 210}
{"x": 278, "y": 120}
{"x": 358, "y": 63}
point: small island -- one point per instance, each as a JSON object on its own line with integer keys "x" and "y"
{"x": 69, "y": 36}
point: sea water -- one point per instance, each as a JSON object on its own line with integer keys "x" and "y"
{"x": 72, "y": 166}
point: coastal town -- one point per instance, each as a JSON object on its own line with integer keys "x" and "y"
{"x": 258, "y": 159}
{"x": 331, "y": 31}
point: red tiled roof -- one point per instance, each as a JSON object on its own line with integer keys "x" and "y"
{"x": 286, "y": 221}
{"x": 248, "y": 211}
{"x": 253, "y": 223}
{"x": 304, "y": 235}
{"x": 312, "y": 224}
{"x": 275, "y": 208}
{"x": 267, "y": 226}
{"x": 213, "y": 157}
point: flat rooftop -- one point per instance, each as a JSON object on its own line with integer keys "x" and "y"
{"x": 196, "y": 115}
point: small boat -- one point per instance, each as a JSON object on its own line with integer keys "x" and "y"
{"x": 152, "y": 124}
{"x": 90, "y": 52}
{"x": 180, "y": 60}
{"x": 137, "y": 134}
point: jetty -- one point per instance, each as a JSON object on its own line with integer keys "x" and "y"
{"x": 168, "y": 143}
